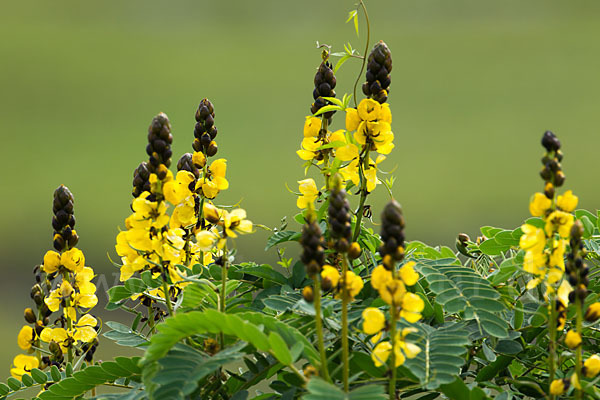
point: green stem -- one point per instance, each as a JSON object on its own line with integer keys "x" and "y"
{"x": 319, "y": 328}
{"x": 69, "y": 321}
{"x": 222, "y": 296}
{"x": 151, "y": 319}
{"x": 552, "y": 343}
{"x": 392, "y": 386}
{"x": 165, "y": 288}
{"x": 345, "y": 300}
{"x": 363, "y": 164}
{"x": 364, "y": 61}
{"x": 579, "y": 349}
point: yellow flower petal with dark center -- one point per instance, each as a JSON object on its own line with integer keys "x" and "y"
{"x": 592, "y": 366}
{"x": 369, "y": 110}
{"x": 332, "y": 274}
{"x": 25, "y": 337}
{"x": 557, "y": 387}
{"x": 567, "y": 201}
{"x": 23, "y": 364}
{"x": 412, "y": 306}
{"x": 312, "y": 126}
{"x": 373, "y": 320}
{"x": 392, "y": 291}
{"x": 381, "y": 353}
{"x": 561, "y": 222}
{"x": 51, "y": 262}
{"x": 539, "y": 205}
{"x": 53, "y": 300}
{"x": 73, "y": 259}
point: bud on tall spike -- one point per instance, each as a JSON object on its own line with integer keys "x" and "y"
{"x": 313, "y": 247}
{"x": 159, "y": 145}
{"x": 141, "y": 179}
{"x": 205, "y": 130}
{"x": 186, "y": 163}
{"x": 324, "y": 84}
{"x": 392, "y": 234}
{"x": 378, "y": 73}
{"x": 339, "y": 217}
{"x": 63, "y": 220}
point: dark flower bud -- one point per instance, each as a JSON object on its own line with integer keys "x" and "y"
{"x": 324, "y": 82}
{"x": 379, "y": 67}
{"x": 354, "y": 251}
{"x": 339, "y": 217}
{"x": 30, "y": 315}
{"x": 550, "y": 141}
{"x": 186, "y": 163}
{"x": 392, "y": 235}
{"x": 307, "y": 294}
{"x": 549, "y": 190}
{"x": 326, "y": 284}
{"x": 577, "y": 230}
{"x": 592, "y": 314}
{"x": 211, "y": 149}
{"x": 559, "y": 179}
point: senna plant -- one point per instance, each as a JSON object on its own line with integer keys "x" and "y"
{"x": 360, "y": 315}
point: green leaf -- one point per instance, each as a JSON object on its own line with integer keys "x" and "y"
{"x": 266, "y": 272}
{"x": 281, "y": 237}
{"x": 243, "y": 325}
{"x": 13, "y": 383}
{"x": 118, "y": 293}
{"x": 318, "y": 389}
{"x": 328, "y": 108}
{"x": 27, "y": 380}
{"x": 280, "y": 348}
{"x": 339, "y": 64}
{"x": 441, "y": 356}
{"x": 461, "y": 289}
{"x": 508, "y": 347}
{"x": 588, "y": 227}
{"x": 492, "y": 248}
{"x": 489, "y": 231}
{"x": 55, "y": 373}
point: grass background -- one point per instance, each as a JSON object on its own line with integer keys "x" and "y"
{"x": 475, "y": 84}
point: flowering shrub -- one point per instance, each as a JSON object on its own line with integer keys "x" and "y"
{"x": 360, "y": 315}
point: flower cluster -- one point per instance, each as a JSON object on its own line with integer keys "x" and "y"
{"x": 74, "y": 330}
{"x": 391, "y": 284}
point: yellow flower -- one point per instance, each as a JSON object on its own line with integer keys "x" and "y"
{"x": 215, "y": 181}
{"x": 573, "y": 339}
{"x": 312, "y": 126}
{"x": 382, "y": 352}
{"x": 199, "y": 159}
{"x": 122, "y": 247}
{"x": 380, "y": 276}
{"x": 26, "y": 337}
{"x": 23, "y": 364}
{"x": 211, "y": 213}
{"x": 51, "y": 262}
{"x": 369, "y": 110}
{"x": 354, "y": 284}
{"x": 561, "y": 222}
{"x": 593, "y": 312}
{"x": 53, "y": 300}
{"x": 58, "y": 335}
{"x": 392, "y": 291}
{"x": 351, "y": 172}
{"x": 352, "y": 119}
{"x": 83, "y": 281}
{"x": 148, "y": 213}
{"x": 532, "y": 239}
{"x": 235, "y": 221}
{"x": 592, "y": 366}
{"x": 534, "y": 263}
{"x": 184, "y": 213}
{"x": 372, "y": 124}
{"x": 177, "y": 190}
{"x": 408, "y": 274}
{"x": 85, "y": 300}
{"x": 308, "y": 148}
{"x": 568, "y": 201}
{"x": 539, "y": 204}
{"x": 373, "y": 320}
{"x": 332, "y": 274}
{"x": 412, "y": 306}
{"x": 73, "y": 260}
{"x": 205, "y": 240}
{"x": 309, "y": 191}
{"x": 84, "y": 329}
{"x": 411, "y": 350}
{"x": 559, "y": 386}
{"x": 129, "y": 268}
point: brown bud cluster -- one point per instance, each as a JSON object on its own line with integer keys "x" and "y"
{"x": 205, "y": 130}
{"x": 159, "y": 145}
{"x": 392, "y": 235}
{"x": 324, "y": 84}
{"x": 313, "y": 248}
{"x": 552, "y": 172}
{"x": 379, "y": 67}
{"x": 141, "y": 179}
{"x": 575, "y": 268}
{"x": 339, "y": 220}
{"x": 185, "y": 163}
{"x": 63, "y": 220}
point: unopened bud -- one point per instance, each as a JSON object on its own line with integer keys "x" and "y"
{"x": 30, "y": 315}
{"x": 307, "y": 294}
{"x": 354, "y": 251}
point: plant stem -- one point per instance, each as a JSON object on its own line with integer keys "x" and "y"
{"x": 578, "y": 350}
{"x": 165, "y": 288}
{"x": 364, "y": 60}
{"x": 345, "y": 299}
{"x": 363, "y": 163}
{"x": 222, "y": 296}
{"x": 151, "y": 319}
{"x": 66, "y": 277}
{"x": 392, "y": 387}
{"x": 319, "y": 328}
{"x": 552, "y": 343}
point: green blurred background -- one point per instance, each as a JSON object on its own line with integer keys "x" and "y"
{"x": 475, "y": 83}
